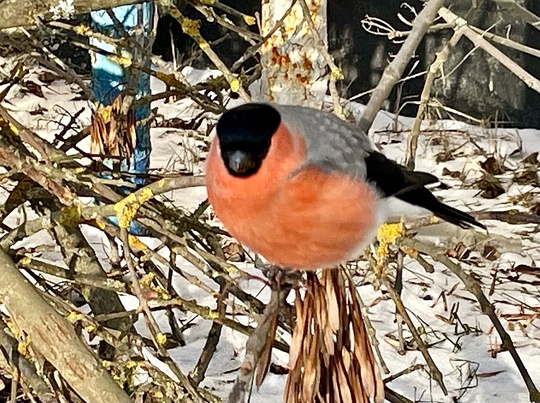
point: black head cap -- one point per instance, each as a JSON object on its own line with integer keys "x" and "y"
{"x": 245, "y": 135}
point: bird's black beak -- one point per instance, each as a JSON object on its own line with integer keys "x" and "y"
{"x": 241, "y": 163}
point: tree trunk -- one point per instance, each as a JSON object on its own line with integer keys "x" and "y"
{"x": 294, "y": 69}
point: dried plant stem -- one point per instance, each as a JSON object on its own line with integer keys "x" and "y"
{"x": 474, "y": 288}
{"x": 259, "y": 344}
{"x": 372, "y": 335}
{"x": 434, "y": 370}
{"x": 210, "y": 346}
{"x": 331, "y": 359}
{"x": 435, "y": 67}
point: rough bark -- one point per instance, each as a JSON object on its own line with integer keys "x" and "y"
{"x": 18, "y": 13}
{"x": 294, "y": 67}
{"x": 54, "y": 337}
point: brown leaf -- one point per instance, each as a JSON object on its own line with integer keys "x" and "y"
{"x": 490, "y": 253}
{"x": 460, "y": 251}
{"x": 528, "y": 176}
{"x": 489, "y": 374}
{"x": 38, "y": 111}
{"x": 491, "y": 187}
{"x": 332, "y": 307}
{"x": 531, "y": 159}
{"x": 234, "y": 252}
{"x": 493, "y": 166}
{"x": 47, "y": 77}
{"x": 522, "y": 268}
{"x": 263, "y": 364}
{"x": 28, "y": 86}
{"x": 452, "y": 174}
{"x": 278, "y": 369}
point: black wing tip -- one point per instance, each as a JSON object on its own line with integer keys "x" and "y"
{"x": 456, "y": 217}
{"x": 423, "y": 197}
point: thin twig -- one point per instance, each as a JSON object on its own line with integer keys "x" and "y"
{"x": 473, "y": 286}
{"x": 434, "y": 370}
{"x": 479, "y": 41}
{"x": 435, "y": 67}
{"x": 191, "y": 28}
{"x": 392, "y": 73}
{"x": 258, "y": 345}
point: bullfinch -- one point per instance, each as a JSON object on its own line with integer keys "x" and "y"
{"x": 305, "y": 189}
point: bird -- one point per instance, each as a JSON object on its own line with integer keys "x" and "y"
{"x": 304, "y": 188}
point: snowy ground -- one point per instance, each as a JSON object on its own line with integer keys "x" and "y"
{"x": 465, "y": 349}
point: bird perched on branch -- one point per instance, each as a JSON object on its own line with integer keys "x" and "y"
{"x": 307, "y": 190}
{"x": 304, "y": 188}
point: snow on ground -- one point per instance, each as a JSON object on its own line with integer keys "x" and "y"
{"x": 465, "y": 347}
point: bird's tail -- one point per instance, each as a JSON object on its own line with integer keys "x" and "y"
{"x": 422, "y": 197}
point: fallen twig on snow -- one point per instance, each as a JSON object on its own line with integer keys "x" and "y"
{"x": 473, "y": 286}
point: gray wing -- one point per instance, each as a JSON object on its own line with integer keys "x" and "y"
{"x": 332, "y": 143}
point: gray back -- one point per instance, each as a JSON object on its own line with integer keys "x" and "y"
{"x": 332, "y": 143}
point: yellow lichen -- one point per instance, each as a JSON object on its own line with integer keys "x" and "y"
{"x": 131, "y": 364}
{"x": 336, "y": 74}
{"x": 22, "y": 348}
{"x": 101, "y": 224}
{"x": 124, "y": 61}
{"x": 387, "y": 235}
{"x": 162, "y": 292}
{"x": 136, "y": 243}
{"x": 161, "y": 182}
{"x": 161, "y": 338}
{"x": 146, "y": 280}
{"x": 190, "y": 27}
{"x": 75, "y": 316}
{"x": 127, "y": 208}
{"x": 82, "y": 29}
{"x": 250, "y": 20}
{"x": 104, "y": 112}
{"x": 235, "y": 85}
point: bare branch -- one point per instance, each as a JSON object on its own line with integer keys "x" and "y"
{"x": 18, "y": 13}
{"x": 394, "y": 70}
{"x": 54, "y": 337}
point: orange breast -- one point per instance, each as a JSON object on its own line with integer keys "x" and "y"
{"x": 303, "y": 219}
